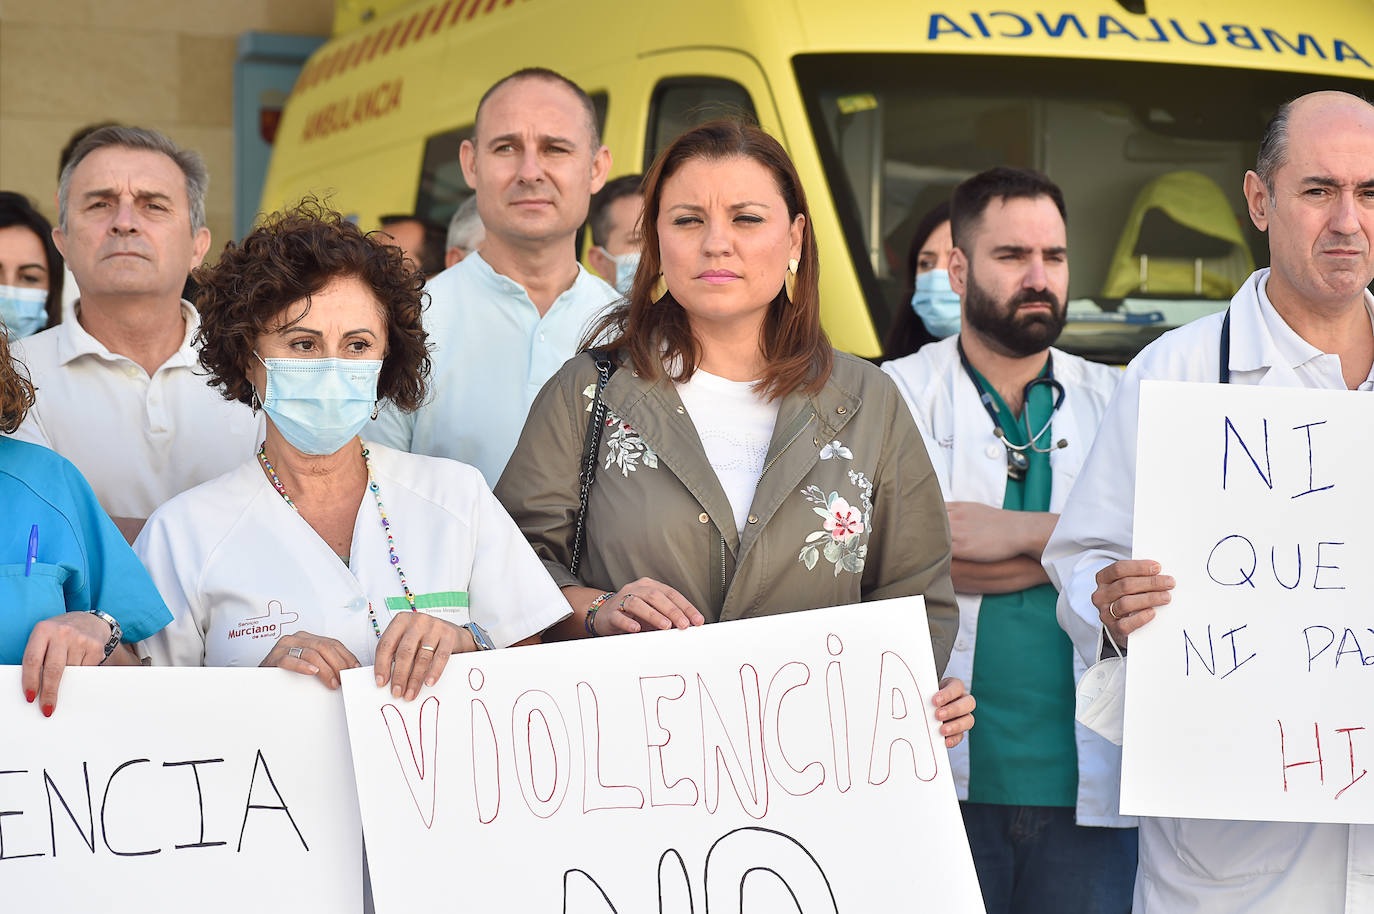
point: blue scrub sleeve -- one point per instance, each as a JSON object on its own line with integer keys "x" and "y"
{"x": 115, "y": 581}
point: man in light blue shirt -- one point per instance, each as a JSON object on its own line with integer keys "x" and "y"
{"x": 502, "y": 321}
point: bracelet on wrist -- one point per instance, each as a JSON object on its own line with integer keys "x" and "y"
{"x": 589, "y": 623}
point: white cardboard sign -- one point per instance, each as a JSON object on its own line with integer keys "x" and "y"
{"x": 1248, "y": 696}
{"x": 178, "y": 789}
{"x": 790, "y": 763}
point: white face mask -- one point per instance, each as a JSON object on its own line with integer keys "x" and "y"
{"x": 625, "y": 266}
{"x": 23, "y": 311}
{"x": 1101, "y": 701}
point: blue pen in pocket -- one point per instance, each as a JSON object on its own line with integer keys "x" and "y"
{"x": 33, "y": 550}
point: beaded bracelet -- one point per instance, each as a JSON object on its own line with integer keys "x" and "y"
{"x": 589, "y": 622}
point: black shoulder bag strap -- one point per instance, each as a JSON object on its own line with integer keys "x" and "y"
{"x": 1224, "y": 375}
{"x": 591, "y": 447}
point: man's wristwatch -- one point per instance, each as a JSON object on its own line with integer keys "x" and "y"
{"x": 479, "y": 636}
{"x": 116, "y": 633}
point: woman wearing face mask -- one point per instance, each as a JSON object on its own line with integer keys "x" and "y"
{"x": 745, "y": 468}
{"x": 934, "y": 311}
{"x": 327, "y": 552}
{"x": 30, "y": 269}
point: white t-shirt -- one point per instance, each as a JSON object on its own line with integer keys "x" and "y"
{"x": 735, "y": 426}
{"x": 239, "y": 567}
{"x": 138, "y": 440}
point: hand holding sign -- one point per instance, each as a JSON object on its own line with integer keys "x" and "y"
{"x": 313, "y": 655}
{"x": 1127, "y": 592}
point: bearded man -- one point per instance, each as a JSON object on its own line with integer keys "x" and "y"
{"x": 1008, "y": 421}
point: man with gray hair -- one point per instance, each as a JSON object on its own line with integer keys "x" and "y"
{"x": 465, "y": 232}
{"x": 1304, "y": 321}
{"x": 119, "y": 393}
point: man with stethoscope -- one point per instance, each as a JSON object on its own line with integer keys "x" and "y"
{"x": 1007, "y": 422}
{"x": 1305, "y": 321}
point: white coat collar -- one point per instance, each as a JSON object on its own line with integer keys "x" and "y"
{"x": 1260, "y": 338}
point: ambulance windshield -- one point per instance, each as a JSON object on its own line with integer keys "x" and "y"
{"x": 1150, "y": 158}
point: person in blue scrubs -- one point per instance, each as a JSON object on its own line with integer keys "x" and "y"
{"x": 72, "y": 592}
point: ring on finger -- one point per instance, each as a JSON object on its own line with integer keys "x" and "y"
{"x": 1111, "y": 610}
{"x": 426, "y": 647}
{"x": 624, "y": 600}
{"x": 296, "y": 652}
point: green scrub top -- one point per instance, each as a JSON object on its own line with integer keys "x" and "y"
{"x": 1022, "y": 752}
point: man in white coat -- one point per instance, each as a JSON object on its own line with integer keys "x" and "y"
{"x": 1303, "y": 322}
{"x": 1008, "y": 421}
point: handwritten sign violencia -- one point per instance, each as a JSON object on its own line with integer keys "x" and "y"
{"x": 178, "y": 789}
{"x": 1247, "y": 697}
{"x": 790, "y": 763}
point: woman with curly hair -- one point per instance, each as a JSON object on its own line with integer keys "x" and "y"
{"x": 71, "y": 591}
{"x": 327, "y": 552}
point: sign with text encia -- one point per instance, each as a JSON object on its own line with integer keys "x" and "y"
{"x": 1247, "y": 697}
{"x": 178, "y": 789}
{"x": 789, "y": 763}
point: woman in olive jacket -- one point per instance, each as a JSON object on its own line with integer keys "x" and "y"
{"x": 744, "y": 467}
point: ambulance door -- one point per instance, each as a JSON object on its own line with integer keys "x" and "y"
{"x": 678, "y": 89}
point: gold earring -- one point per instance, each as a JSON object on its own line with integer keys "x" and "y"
{"x": 789, "y": 280}
{"x": 660, "y": 289}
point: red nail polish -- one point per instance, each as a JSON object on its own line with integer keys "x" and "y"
{"x": 30, "y": 694}
{"x": 47, "y": 710}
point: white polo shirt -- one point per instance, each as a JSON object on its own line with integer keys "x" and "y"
{"x": 239, "y": 567}
{"x": 138, "y": 440}
{"x": 492, "y": 353}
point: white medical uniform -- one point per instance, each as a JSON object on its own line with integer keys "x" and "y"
{"x": 492, "y": 353}
{"x": 1206, "y": 865}
{"x": 239, "y": 567}
{"x": 971, "y": 464}
{"x": 138, "y": 440}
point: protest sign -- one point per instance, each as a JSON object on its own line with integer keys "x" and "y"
{"x": 789, "y": 763}
{"x": 1247, "y": 696}
{"x": 178, "y": 789}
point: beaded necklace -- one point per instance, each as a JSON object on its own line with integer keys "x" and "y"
{"x": 381, "y": 509}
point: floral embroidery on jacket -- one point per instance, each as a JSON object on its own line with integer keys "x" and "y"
{"x": 624, "y": 447}
{"x": 835, "y": 449}
{"x": 840, "y": 539}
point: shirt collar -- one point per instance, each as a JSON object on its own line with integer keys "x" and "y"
{"x": 73, "y": 341}
{"x": 1261, "y": 338}
{"x": 511, "y": 290}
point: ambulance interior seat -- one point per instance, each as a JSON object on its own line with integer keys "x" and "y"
{"x": 1181, "y": 239}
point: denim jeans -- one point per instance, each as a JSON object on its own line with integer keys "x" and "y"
{"x": 1035, "y": 860}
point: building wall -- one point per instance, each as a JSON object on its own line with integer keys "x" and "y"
{"x": 166, "y": 64}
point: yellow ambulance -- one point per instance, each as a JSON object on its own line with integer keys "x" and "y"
{"x": 1146, "y": 112}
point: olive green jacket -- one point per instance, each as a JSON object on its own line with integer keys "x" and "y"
{"x": 848, "y": 507}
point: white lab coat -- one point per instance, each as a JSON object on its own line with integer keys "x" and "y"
{"x": 239, "y": 567}
{"x": 1206, "y": 865}
{"x": 971, "y": 464}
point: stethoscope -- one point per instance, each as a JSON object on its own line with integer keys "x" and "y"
{"x": 1018, "y": 462}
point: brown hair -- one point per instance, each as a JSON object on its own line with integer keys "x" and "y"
{"x": 797, "y": 353}
{"x": 16, "y": 391}
{"x": 290, "y": 257}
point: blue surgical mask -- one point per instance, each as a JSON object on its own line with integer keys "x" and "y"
{"x": 936, "y": 304}
{"x": 318, "y": 405}
{"x": 23, "y": 311}
{"x": 625, "y": 267}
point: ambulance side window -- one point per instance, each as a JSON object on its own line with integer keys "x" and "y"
{"x": 681, "y": 103}
{"x": 442, "y": 188}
